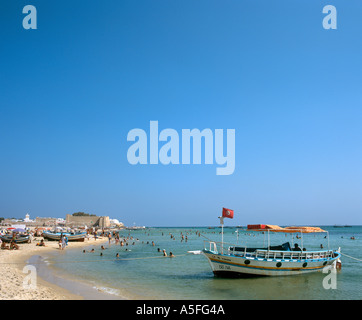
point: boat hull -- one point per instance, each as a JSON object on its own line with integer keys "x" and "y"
{"x": 8, "y": 239}
{"x": 71, "y": 237}
{"x": 234, "y": 266}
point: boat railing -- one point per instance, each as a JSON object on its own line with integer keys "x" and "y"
{"x": 217, "y": 247}
{"x": 293, "y": 255}
{"x": 230, "y": 249}
{"x": 211, "y": 247}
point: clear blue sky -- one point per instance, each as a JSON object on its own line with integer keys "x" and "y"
{"x": 71, "y": 90}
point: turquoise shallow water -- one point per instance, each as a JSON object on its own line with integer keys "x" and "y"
{"x": 147, "y": 275}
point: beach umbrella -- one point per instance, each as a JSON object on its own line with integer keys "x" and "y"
{"x": 19, "y": 230}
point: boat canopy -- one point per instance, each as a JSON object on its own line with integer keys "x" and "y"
{"x": 274, "y": 228}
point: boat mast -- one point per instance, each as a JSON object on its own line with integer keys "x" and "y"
{"x": 222, "y": 233}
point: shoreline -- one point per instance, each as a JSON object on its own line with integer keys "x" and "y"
{"x": 49, "y": 285}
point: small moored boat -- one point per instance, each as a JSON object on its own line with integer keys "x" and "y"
{"x": 232, "y": 261}
{"x": 17, "y": 238}
{"x": 76, "y": 236}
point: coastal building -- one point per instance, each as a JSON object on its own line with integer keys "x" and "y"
{"x": 27, "y": 218}
{"x": 69, "y": 221}
{"x": 88, "y": 221}
{"x": 116, "y": 222}
{"x": 60, "y": 222}
{"x": 45, "y": 222}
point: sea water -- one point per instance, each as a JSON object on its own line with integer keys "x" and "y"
{"x": 141, "y": 271}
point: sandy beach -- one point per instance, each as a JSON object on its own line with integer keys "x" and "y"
{"x": 12, "y": 263}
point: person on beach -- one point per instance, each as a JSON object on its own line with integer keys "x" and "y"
{"x": 4, "y": 246}
{"x": 63, "y": 243}
{"x": 41, "y": 243}
{"x": 30, "y": 237}
{"x": 13, "y": 245}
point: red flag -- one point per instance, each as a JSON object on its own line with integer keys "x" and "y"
{"x": 227, "y": 213}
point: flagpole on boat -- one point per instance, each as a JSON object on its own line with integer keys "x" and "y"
{"x": 222, "y": 233}
{"x": 226, "y": 213}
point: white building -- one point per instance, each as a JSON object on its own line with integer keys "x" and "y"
{"x": 27, "y": 218}
{"x": 60, "y": 221}
{"x": 116, "y": 222}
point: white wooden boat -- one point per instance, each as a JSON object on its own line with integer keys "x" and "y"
{"x": 76, "y": 236}
{"x": 16, "y": 239}
{"x": 136, "y": 228}
{"x": 232, "y": 261}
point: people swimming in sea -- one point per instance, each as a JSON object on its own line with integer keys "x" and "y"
{"x": 164, "y": 253}
{"x": 171, "y": 255}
